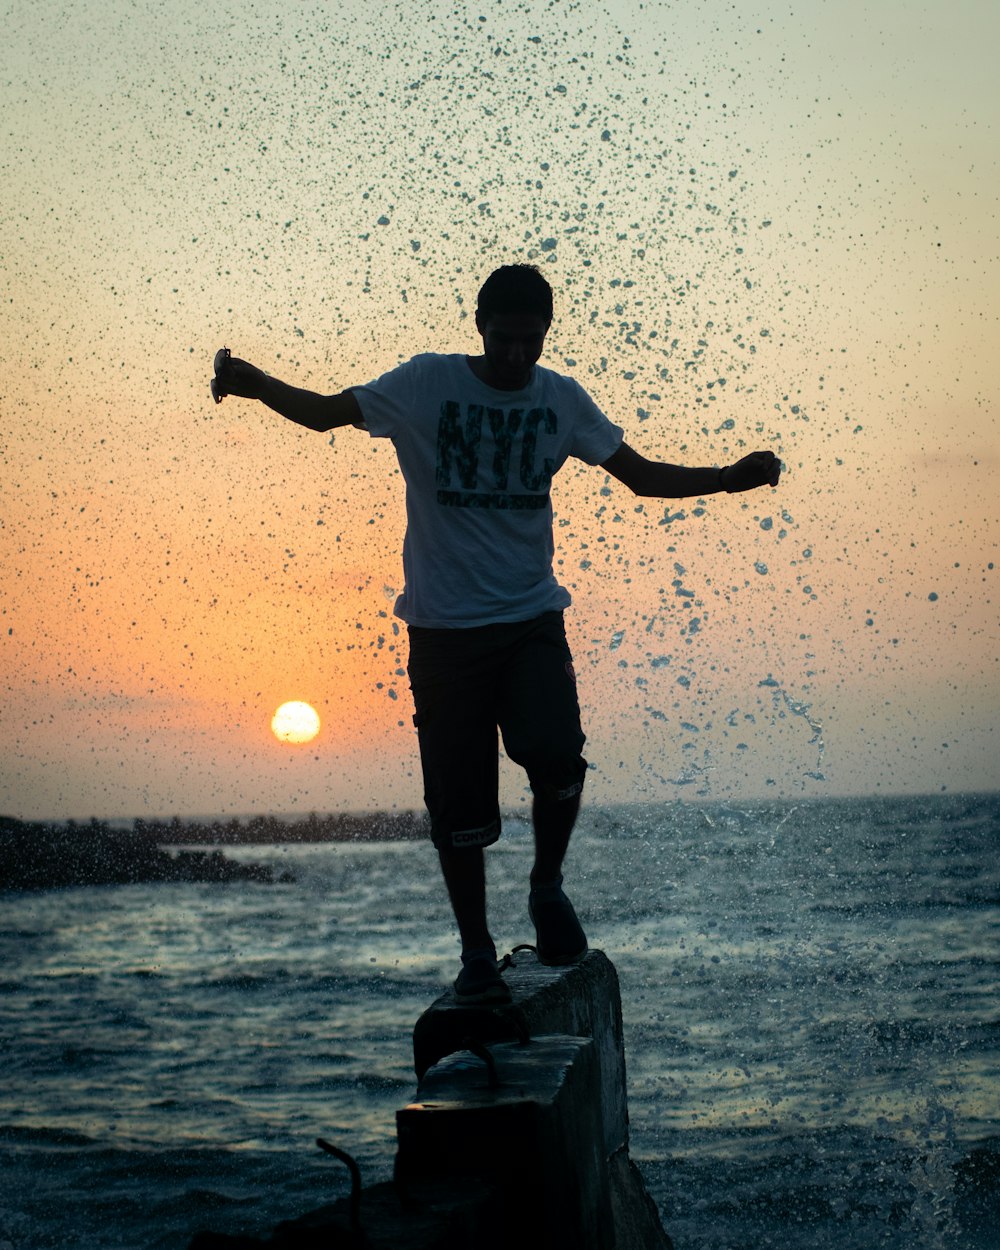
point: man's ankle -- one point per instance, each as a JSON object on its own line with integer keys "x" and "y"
{"x": 479, "y": 952}
{"x": 547, "y": 883}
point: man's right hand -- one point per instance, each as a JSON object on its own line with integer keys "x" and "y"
{"x": 236, "y": 377}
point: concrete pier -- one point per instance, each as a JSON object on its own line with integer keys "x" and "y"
{"x": 582, "y": 1000}
{"x": 535, "y": 1131}
{"x": 517, "y": 1134}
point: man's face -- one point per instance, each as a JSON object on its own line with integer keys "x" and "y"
{"x": 512, "y": 342}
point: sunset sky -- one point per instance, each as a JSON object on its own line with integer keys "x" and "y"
{"x": 766, "y": 225}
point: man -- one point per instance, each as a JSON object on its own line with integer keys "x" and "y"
{"x": 479, "y": 439}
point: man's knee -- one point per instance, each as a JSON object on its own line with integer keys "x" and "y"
{"x": 555, "y": 778}
{"x": 551, "y": 793}
{"x": 451, "y": 836}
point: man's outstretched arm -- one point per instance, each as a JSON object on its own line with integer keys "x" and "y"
{"x": 657, "y": 480}
{"x": 316, "y": 412}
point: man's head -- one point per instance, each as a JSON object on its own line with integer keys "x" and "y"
{"x": 513, "y": 317}
{"x": 518, "y": 289}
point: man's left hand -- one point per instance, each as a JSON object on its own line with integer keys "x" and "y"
{"x": 760, "y": 468}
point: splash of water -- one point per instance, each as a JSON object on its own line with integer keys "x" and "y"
{"x": 804, "y": 710}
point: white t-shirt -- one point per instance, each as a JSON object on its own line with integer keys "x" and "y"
{"x": 478, "y": 463}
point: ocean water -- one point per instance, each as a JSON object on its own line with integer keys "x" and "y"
{"x": 811, "y": 1027}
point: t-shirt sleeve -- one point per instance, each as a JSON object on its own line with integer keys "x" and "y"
{"x": 595, "y": 437}
{"x": 384, "y": 403}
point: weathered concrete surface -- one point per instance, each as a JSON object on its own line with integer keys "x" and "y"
{"x": 439, "y": 1216}
{"x": 541, "y": 1160}
{"x": 535, "y": 1131}
{"x": 582, "y": 1000}
{"x": 636, "y": 1218}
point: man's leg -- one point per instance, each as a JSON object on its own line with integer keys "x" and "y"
{"x": 464, "y": 871}
{"x": 465, "y": 876}
{"x": 540, "y": 721}
{"x": 456, "y": 727}
{"x": 553, "y": 820}
{"x": 559, "y": 936}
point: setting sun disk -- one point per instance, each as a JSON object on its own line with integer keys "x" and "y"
{"x": 295, "y": 722}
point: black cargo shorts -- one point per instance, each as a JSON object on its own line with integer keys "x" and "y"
{"x": 468, "y": 683}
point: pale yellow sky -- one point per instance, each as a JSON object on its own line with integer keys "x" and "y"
{"x": 774, "y": 228}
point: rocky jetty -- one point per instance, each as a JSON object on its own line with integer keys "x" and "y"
{"x": 391, "y": 826}
{"x": 36, "y": 855}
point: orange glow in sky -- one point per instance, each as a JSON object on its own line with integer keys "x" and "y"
{"x": 770, "y": 229}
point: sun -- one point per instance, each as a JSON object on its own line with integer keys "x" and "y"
{"x": 295, "y": 722}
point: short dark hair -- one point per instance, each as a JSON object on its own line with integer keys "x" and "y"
{"x": 515, "y": 289}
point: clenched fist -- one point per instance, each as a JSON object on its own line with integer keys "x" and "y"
{"x": 235, "y": 377}
{"x": 760, "y": 468}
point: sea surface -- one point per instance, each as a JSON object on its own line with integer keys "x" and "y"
{"x": 810, "y": 993}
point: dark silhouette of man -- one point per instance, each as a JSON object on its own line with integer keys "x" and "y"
{"x": 479, "y": 439}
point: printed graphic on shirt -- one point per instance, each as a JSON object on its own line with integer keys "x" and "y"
{"x": 490, "y": 457}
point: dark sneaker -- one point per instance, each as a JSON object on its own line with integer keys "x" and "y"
{"x": 480, "y": 982}
{"x": 559, "y": 936}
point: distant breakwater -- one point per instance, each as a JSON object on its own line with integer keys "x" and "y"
{"x": 272, "y": 830}
{"x": 40, "y": 855}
